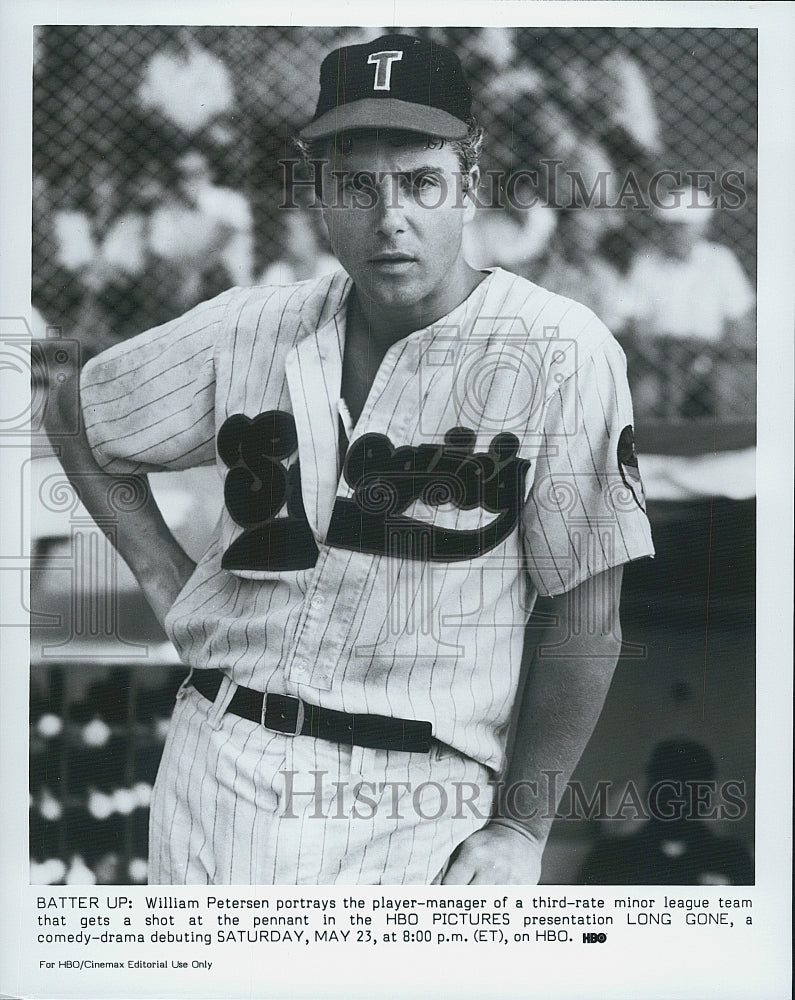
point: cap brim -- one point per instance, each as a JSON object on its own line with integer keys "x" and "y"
{"x": 386, "y": 113}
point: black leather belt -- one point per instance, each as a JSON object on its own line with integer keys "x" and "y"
{"x": 298, "y": 718}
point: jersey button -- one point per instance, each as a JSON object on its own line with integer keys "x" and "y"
{"x": 318, "y": 601}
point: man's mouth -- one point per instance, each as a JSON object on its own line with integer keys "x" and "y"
{"x": 392, "y": 258}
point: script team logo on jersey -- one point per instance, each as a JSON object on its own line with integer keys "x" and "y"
{"x": 628, "y": 466}
{"x": 387, "y": 480}
{"x": 257, "y": 487}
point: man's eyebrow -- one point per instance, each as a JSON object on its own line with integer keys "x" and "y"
{"x": 425, "y": 168}
{"x": 408, "y": 174}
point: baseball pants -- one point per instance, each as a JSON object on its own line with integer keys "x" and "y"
{"x": 235, "y": 803}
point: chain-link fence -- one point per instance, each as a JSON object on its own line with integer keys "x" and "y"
{"x": 159, "y": 171}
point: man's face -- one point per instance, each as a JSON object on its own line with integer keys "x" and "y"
{"x": 395, "y": 211}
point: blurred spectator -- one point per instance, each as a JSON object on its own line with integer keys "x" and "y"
{"x": 153, "y": 248}
{"x": 688, "y": 318}
{"x": 54, "y": 294}
{"x": 514, "y": 221}
{"x": 306, "y": 253}
{"x": 612, "y": 103}
{"x": 555, "y": 162}
{"x": 675, "y": 846}
{"x": 205, "y": 231}
{"x": 575, "y": 266}
{"x": 490, "y": 49}
{"x": 78, "y": 221}
{"x": 115, "y": 274}
{"x": 627, "y": 102}
{"x": 188, "y": 85}
{"x": 512, "y": 238}
{"x": 498, "y": 45}
{"x": 685, "y": 286}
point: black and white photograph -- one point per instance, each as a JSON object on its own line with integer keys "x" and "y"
{"x": 388, "y": 507}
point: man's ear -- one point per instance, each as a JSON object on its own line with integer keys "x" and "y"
{"x": 470, "y": 199}
{"x": 324, "y": 198}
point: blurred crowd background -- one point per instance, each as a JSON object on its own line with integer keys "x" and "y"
{"x": 158, "y": 179}
{"x": 159, "y": 175}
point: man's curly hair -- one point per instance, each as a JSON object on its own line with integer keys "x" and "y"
{"x": 467, "y": 149}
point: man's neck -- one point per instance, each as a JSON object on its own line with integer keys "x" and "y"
{"x": 386, "y": 325}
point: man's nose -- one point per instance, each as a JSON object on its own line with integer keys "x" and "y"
{"x": 390, "y": 208}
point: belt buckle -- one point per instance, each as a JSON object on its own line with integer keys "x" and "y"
{"x": 299, "y": 720}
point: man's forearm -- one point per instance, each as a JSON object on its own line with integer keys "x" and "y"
{"x": 561, "y": 703}
{"x": 568, "y": 680}
{"x": 141, "y": 535}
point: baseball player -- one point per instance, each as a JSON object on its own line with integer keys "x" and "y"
{"x": 412, "y": 451}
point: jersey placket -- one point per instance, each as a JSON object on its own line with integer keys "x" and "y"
{"x": 341, "y": 578}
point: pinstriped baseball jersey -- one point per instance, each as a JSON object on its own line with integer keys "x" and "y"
{"x": 493, "y": 461}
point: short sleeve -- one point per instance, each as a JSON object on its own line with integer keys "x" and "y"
{"x": 585, "y": 511}
{"x": 148, "y": 403}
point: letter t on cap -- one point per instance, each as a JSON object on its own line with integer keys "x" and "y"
{"x": 383, "y": 64}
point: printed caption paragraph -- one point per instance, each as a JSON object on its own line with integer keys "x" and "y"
{"x": 180, "y": 928}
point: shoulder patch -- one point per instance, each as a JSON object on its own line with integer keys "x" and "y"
{"x": 628, "y": 466}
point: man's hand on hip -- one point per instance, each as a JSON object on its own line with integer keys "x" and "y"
{"x": 496, "y": 855}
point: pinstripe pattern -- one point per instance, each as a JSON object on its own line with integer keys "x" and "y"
{"x": 272, "y": 810}
{"x": 369, "y": 633}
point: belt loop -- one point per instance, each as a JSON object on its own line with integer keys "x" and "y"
{"x": 183, "y": 688}
{"x": 225, "y": 694}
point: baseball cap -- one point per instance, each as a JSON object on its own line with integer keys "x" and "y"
{"x": 393, "y": 82}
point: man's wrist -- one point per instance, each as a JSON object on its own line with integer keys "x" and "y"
{"x": 538, "y": 840}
